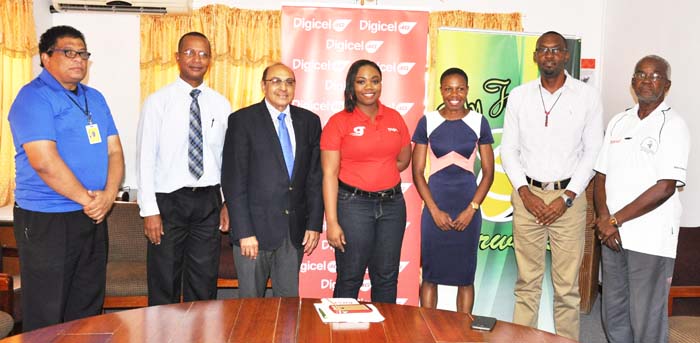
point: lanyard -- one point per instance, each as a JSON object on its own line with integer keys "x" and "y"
{"x": 86, "y": 110}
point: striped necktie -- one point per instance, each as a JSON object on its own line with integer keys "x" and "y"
{"x": 196, "y": 157}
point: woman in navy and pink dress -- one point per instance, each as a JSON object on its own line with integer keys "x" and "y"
{"x": 451, "y": 220}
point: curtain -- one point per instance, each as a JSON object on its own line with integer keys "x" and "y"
{"x": 467, "y": 20}
{"x": 17, "y": 46}
{"x": 243, "y": 43}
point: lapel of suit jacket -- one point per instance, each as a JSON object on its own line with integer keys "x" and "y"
{"x": 269, "y": 131}
{"x": 299, "y": 134}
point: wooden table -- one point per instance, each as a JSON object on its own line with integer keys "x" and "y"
{"x": 275, "y": 320}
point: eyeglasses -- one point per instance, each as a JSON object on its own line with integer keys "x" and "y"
{"x": 276, "y": 81}
{"x": 192, "y": 52}
{"x": 554, "y": 50}
{"x": 653, "y": 77}
{"x": 72, "y": 53}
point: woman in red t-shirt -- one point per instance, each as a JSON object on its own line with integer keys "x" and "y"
{"x": 363, "y": 150}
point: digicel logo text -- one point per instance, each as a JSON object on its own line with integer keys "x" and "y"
{"x": 338, "y": 25}
{"x": 317, "y": 266}
{"x": 403, "y": 27}
{"x": 343, "y": 45}
{"x": 328, "y": 106}
{"x": 334, "y": 85}
{"x": 401, "y": 68}
{"x": 313, "y": 65}
{"x": 401, "y": 107}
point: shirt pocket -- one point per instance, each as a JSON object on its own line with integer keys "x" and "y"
{"x": 214, "y": 130}
{"x": 70, "y": 125}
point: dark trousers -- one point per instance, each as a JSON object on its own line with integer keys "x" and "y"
{"x": 187, "y": 259}
{"x": 635, "y": 296}
{"x": 280, "y": 264}
{"x": 63, "y": 263}
{"x": 373, "y": 229}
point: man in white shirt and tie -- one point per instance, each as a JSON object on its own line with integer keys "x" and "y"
{"x": 180, "y": 142}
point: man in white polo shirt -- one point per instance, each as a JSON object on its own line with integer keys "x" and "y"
{"x": 643, "y": 160}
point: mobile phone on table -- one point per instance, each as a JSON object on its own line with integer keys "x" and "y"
{"x": 483, "y": 323}
{"x": 351, "y": 308}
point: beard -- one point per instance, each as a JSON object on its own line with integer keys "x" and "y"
{"x": 649, "y": 98}
{"x": 549, "y": 73}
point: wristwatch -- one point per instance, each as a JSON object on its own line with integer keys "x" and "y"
{"x": 613, "y": 222}
{"x": 474, "y": 205}
{"x": 568, "y": 201}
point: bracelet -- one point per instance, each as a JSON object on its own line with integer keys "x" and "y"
{"x": 613, "y": 222}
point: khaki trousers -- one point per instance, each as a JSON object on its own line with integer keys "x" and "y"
{"x": 566, "y": 239}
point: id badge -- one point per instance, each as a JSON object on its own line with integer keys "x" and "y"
{"x": 93, "y": 133}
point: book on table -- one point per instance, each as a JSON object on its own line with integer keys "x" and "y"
{"x": 347, "y": 310}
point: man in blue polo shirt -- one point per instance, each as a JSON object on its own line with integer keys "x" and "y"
{"x": 69, "y": 166}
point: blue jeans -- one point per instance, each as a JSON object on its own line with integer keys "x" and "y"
{"x": 374, "y": 229}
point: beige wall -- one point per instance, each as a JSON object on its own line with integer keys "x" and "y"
{"x": 635, "y": 28}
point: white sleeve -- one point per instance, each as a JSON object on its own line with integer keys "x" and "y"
{"x": 674, "y": 147}
{"x": 592, "y": 139}
{"x": 601, "y": 164}
{"x": 146, "y": 155}
{"x": 510, "y": 142}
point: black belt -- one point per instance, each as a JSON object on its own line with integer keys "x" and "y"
{"x": 554, "y": 185}
{"x": 199, "y": 189}
{"x": 380, "y": 194}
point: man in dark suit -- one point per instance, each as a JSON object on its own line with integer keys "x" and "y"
{"x": 271, "y": 179}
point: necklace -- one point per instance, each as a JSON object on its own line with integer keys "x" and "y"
{"x": 547, "y": 112}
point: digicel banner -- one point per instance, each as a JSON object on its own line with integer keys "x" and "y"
{"x": 320, "y": 44}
